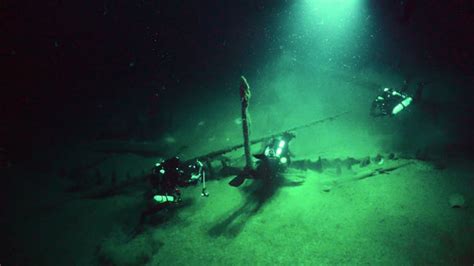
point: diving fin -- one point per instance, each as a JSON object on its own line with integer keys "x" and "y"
{"x": 237, "y": 181}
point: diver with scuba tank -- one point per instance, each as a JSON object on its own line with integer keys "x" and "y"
{"x": 166, "y": 179}
{"x": 273, "y": 159}
{"x": 391, "y": 102}
{"x": 169, "y": 175}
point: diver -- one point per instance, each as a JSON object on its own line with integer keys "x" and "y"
{"x": 274, "y": 159}
{"x": 167, "y": 176}
{"x": 275, "y": 156}
{"x": 391, "y": 102}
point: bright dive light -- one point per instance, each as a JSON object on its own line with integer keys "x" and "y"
{"x": 278, "y": 152}
{"x": 330, "y": 27}
{"x": 332, "y": 7}
{"x": 281, "y": 144}
{"x": 163, "y": 198}
{"x": 283, "y": 160}
{"x": 401, "y": 105}
{"x": 334, "y": 20}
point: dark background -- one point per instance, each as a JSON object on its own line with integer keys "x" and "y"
{"x": 65, "y": 61}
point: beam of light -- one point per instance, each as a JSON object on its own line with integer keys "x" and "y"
{"x": 333, "y": 14}
{"x": 330, "y": 30}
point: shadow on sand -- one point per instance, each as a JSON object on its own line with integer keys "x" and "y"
{"x": 258, "y": 193}
{"x": 159, "y": 216}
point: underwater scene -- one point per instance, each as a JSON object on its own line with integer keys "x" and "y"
{"x": 252, "y": 132}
